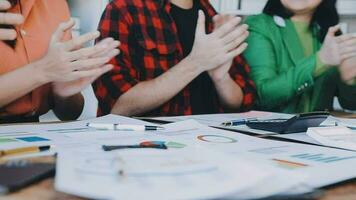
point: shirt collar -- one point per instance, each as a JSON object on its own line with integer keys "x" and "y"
{"x": 165, "y": 2}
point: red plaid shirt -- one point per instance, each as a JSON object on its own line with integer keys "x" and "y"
{"x": 150, "y": 47}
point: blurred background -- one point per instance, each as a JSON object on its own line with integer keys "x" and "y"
{"x": 87, "y": 14}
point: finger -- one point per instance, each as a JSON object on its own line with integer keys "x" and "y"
{"x": 81, "y": 40}
{"x": 227, "y": 27}
{"x": 200, "y": 30}
{"x": 93, "y": 72}
{"x": 241, "y": 30}
{"x": 93, "y": 51}
{"x": 105, "y": 41}
{"x": 4, "y": 5}
{"x": 11, "y": 18}
{"x": 85, "y": 53}
{"x": 350, "y": 42}
{"x": 237, "y": 51}
{"x": 110, "y": 54}
{"x": 109, "y": 50}
{"x": 61, "y": 30}
{"x": 90, "y": 52}
{"x": 348, "y": 49}
{"x": 348, "y": 55}
{"x": 8, "y": 34}
{"x": 345, "y": 37}
{"x": 105, "y": 69}
{"x": 89, "y": 63}
{"x": 332, "y": 30}
{"x": 237, "y": 42}
{"x": 219, "y": 20}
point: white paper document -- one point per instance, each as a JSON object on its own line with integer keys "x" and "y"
{"x": 248, "y": 179}
{"x": 292, "y": 165}
{"x": 338, "y": 136}
{"x": 216, "y": 120}
{"x": 61, "y": 135}
{"x": 155, "y": 174}
{"x": 324, "y": 166}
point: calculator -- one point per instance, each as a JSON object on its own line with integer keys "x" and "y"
{"x": 297, "y": 124}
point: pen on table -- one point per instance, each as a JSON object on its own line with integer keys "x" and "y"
{"x": 148, "y": 144}
{"x": 124, "y": 127}
{"x": 236, "y": 122}
{"x": 25, "y": 150}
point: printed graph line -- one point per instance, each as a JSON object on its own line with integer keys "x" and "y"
{"x": 322, "y": 157}
{"x": 216, "y": 139}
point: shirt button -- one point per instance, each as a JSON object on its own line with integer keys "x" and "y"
{"x": 23, "y": 32}
{"x": 306, "y": 84}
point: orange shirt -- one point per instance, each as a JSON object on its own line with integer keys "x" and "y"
{"x": 42, "y": 18}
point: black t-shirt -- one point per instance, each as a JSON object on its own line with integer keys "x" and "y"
{"x": 202, "y": 88}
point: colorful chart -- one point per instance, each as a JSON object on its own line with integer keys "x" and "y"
{"x": 322, "y": 158}
{"x": 7, "y": 140}
{"x": 270, "y": 150}
{"x": 216, "y": 139}
{"x": 288, "y": 164}
{"x": 33, "y": 139}
{"x": 175, "y": 145}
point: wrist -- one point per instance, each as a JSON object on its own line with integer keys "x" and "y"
{"x": 219, "y": 80}
{"x": 37, "y": 71}
{"x": 193, "y": 65}
{"x": 323, "y": 59}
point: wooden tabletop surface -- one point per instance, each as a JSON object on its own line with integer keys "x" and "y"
{"x": 44, "y": 191}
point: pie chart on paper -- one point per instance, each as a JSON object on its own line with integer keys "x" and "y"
{"x": 216, "y": 139}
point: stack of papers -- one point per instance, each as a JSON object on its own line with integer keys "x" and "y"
{"x": 338, "y": 136}
{"x": 292, "y": 166}
{"x": 201, "y": 162}
{"x": 154, "y": 174}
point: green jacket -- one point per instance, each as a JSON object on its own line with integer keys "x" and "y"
{"x": 283, "y": 74}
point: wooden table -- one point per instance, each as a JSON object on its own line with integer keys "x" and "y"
{"x": 44, "y": 190}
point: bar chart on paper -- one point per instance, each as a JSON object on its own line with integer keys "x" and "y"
{"x": 19, "y": 139}
{"x": 322, "y": 158}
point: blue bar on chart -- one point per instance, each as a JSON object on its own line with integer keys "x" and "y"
{"x": 321, "y": 157}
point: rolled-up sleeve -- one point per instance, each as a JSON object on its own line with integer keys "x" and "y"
{"x": 109, "y": 87}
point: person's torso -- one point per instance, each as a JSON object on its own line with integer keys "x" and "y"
{"x": 322, "y": 93}
{"x": 41, "y": 19}
{"x": 156, "y": 46}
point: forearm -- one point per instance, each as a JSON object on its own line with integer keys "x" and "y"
{"x": 17, "y": 83}
{"x": 68, "y": 108}
{"x": 148, "y": 95}
{"x": 230, "y": 94}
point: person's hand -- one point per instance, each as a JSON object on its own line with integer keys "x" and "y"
{"x": 335, "y": 49}
{"x": 347, "y": 45}
{"x": 213, "y": 50}
{"x": 6, "y": 19}
{"x": 69, "y": 66}
{"x": 66, "y": 89}
{"x": 348, "y": 69}
{"x": 222, "y": 71}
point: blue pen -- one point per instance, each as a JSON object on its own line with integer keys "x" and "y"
{"x": 236, "y": 122}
